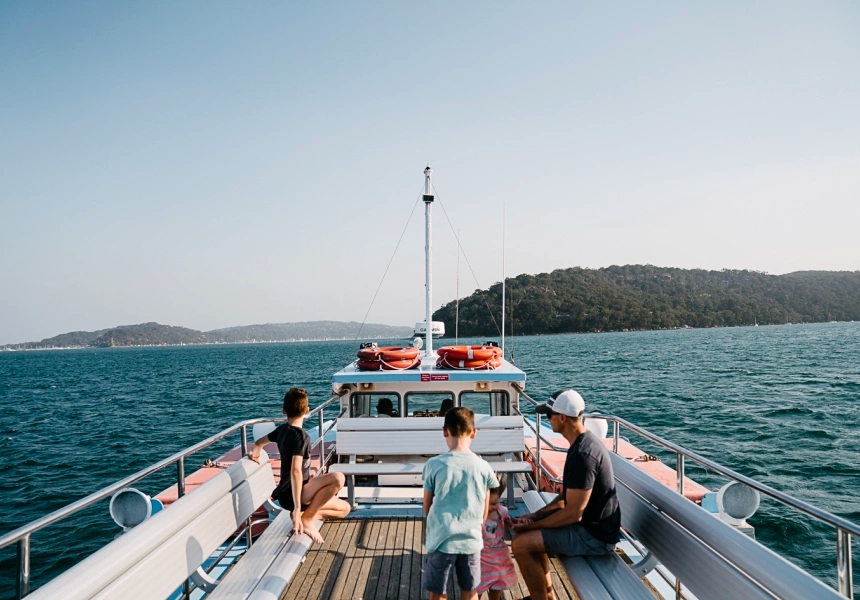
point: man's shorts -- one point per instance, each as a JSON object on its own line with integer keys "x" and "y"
{"x": 438, "y": 567}
{"x": 573, "y": 540}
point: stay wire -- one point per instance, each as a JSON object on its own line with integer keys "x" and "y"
{"x": 451, "y": 225}
{"x": 390, "y": 260}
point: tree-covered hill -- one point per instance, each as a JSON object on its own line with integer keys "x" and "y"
{"x": 155, "y": 334}
{"x": 646, "y": 297}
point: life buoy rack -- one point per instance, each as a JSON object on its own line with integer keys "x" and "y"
{"x": 475, "y": 358}
{"x": 392, "y": 358}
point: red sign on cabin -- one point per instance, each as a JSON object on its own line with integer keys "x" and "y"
{"x": 439, "y": 377}
{"x": 425, "y": 376}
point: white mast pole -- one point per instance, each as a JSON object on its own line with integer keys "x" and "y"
{"x": 503, "y": 280}
{"x": 428, "y": 259}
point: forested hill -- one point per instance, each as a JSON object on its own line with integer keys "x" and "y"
{"x": 155, "y": 334}
{"x": 636, "y": 297}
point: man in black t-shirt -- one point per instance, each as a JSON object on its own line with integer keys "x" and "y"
{"x": 307, "y": 499}
{"x": 585, "y": 518}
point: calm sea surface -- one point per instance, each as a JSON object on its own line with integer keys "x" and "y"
{"x": 779, "y": 404}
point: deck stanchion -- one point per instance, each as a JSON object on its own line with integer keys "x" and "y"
{"x": 844, "y": 573}
{"x": 180, "y": 477}
{"x": 678, "y": 594}
{"x": 23, "y": 566}
{"x": 537, "y": 439}
{"x": 244, "y": 440}
{"x": 616, "y": 426}
{"x": 322, "y": 445}
{"x": 679, "y": 472}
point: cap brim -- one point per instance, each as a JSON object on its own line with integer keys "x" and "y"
{"x": 543, "y": 409}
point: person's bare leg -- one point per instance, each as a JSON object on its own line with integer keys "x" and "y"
{"x": 319, "y": 496}
{"x": 494, "y": 594}
{"x": 468, "y": 594}
{"x": 534, "y": 565}
{"x": 550, "y": 594}
{"x": 435, "y": 596}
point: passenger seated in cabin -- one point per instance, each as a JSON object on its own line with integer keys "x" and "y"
{"x": 447, "y": 404}
{"x": 385, "y": 408}
{"x": 457, "y": 485}
{"x": 307, "y": 499}
{"x": 585, "y": 519}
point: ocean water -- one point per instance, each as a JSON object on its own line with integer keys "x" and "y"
{"x": 780, "y": 404}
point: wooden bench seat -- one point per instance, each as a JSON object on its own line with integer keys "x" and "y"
{"x": 407, "y": 442}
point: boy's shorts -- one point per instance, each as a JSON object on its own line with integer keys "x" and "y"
{"x": 573, "y": 540}
{"x": 438, "y": 566}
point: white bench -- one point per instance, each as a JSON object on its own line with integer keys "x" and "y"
{"x": 595, "y": 577}
{"x": 711, "y": 558}
{"x": 155, "y": 558}
{"x": 408, "y": 440}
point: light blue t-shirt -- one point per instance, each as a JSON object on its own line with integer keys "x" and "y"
{"x": 459, "y": 482}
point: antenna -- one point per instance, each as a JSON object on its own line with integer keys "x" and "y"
{"x": 457, "y": 295}
{"x": 503, "y": 279}
{"x": 428, "y": 259}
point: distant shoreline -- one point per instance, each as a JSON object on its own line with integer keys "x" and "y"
{"x": 444, "y": 339}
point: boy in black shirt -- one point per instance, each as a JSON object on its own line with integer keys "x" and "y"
{"x": 307, "y": 499}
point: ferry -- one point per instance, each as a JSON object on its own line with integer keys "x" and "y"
{"x": 216, "y": 534}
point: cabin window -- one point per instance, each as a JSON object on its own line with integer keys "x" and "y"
{"x": 428, "y": 404}
{"x": 486, "y": 403}
{"x": 374, "y": 405}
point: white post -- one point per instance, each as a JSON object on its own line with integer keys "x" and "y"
{"x": 457, "y": 294}
{"x": 428, "y": 258}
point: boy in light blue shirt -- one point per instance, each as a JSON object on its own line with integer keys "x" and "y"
{"x": 457, "y": 488}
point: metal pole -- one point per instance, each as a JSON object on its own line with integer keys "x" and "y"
{"x": 180, "y": 477}
{"x": 503, "y": 280}
{"x": 844, "y": 573}
{"x": 24, "y": 566}
{"x": 679, "y": 472}
{"x": 678, "y": 595}
{"x": 537, "y": 433}
{"x": 428, "y": 259}
{"x": 244, "y": 440}
{"x": 616, "y": 426}
{"x": 322, "y": 447}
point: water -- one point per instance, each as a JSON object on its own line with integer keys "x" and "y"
{"x": 779, "y": 404}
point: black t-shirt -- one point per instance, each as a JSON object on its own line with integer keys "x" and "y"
{"x": 587, "y": 467}
{"x": 292, "y": 441}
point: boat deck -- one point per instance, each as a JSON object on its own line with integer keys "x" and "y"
{"x": 379, "y": 559}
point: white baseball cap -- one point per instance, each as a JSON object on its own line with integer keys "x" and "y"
{"x": 565, "y": 402}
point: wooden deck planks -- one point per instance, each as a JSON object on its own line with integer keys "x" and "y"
{"x": 380, "y": 559}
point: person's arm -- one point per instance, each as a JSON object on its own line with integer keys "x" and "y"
{"x": 428, "y": 502}
{"x": 574, "y": 505}
{"x": 486, "y": 506}
{"x": 254, "y": 454}
{"x": 296, "y": 480}
{"x": 542, "y": 513}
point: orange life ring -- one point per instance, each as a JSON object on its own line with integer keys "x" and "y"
{"x": 389, "y": 354}
{"x": 387, "y": 365}
{"x": 445, "y": 362}
{"x": 470, "y": 353}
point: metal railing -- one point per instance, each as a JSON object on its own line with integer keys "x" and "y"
{"x": 844, "y": 528}
{"x": 22, "y": 535}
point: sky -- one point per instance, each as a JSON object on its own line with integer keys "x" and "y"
{"x": 211, "y": 164}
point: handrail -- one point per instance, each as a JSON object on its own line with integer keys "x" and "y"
{"x": 59, "y": 514}
{"x": 821, "y": 515}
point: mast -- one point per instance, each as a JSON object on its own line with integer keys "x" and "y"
{"x": 428, "y": 259}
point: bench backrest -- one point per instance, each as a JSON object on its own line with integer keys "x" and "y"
{"x": 154, "y": 558}
{"x": 423, "y": 435}
{"x": 711, "y": 558}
